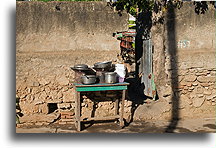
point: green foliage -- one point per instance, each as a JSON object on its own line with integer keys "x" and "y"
{"x": 132, "y": 11}
{"x": 136, "y": 6}
{"x": 60, "y": 0}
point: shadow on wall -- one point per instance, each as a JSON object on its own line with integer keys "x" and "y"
{"x": 136, "y": 88}
{"x": 135, "y": 95}
{"x": 135, "y": 91}
{"x": 172, "y": 51}
{"x": 143, "y": 24}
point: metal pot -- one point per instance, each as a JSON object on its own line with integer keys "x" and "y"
{"x": 110, "y": 77}
{"x": 88, "y": 79}
{"x": 105, "y": 64}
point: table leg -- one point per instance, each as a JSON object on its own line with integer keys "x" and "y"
{"x": 116, "y": 106}
{"x": 77, "y": 111}
{"x": 122, "y": 108}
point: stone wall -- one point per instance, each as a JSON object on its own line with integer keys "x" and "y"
{"x": 184, "y": 65}
{"x": 44, "y": 86}
{"x": 49, "y": 41}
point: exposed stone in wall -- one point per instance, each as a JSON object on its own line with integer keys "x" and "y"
{"x": 195, "y": 85}
{"x": 102, "y": 104}
{"x": 196, "y": 99}
{"x": 194, "y": 59}
{"x": 44, "y": 86}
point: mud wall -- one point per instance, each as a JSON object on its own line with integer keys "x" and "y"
{"x": 63, "y": 26}
{"x": 50, "y": 38}
{"x": 184, "y": 65}
{"x": 184, "y": 56}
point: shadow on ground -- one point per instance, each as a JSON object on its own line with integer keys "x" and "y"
{"x": 185, "y": 126}
{"x": 135, "y": 95}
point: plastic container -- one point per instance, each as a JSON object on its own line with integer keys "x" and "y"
{"x": 121, "y": 79}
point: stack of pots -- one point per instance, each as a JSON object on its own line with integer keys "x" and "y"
{"x": 82, "y": 76}
{"x": 104, "y": 73}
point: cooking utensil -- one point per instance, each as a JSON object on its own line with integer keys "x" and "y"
{"x": 103, "y": 64}
{"x": 80, "y": 67}
{"x": 88, "y": 79}
{"x": 110, "y": 77}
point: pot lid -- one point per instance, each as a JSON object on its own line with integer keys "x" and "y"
{"x": 81, "y": 66}
{"x": 88, "y": 76}
{"x": 105, "y": 62}
{"x": 110, "y": 73}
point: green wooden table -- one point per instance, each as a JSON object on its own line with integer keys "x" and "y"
{"x": 99, "y": 87}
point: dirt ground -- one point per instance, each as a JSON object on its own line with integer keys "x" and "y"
{"x": 206, "y": 125}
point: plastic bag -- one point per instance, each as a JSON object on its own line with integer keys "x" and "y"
{"x": 120, "y": 70}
